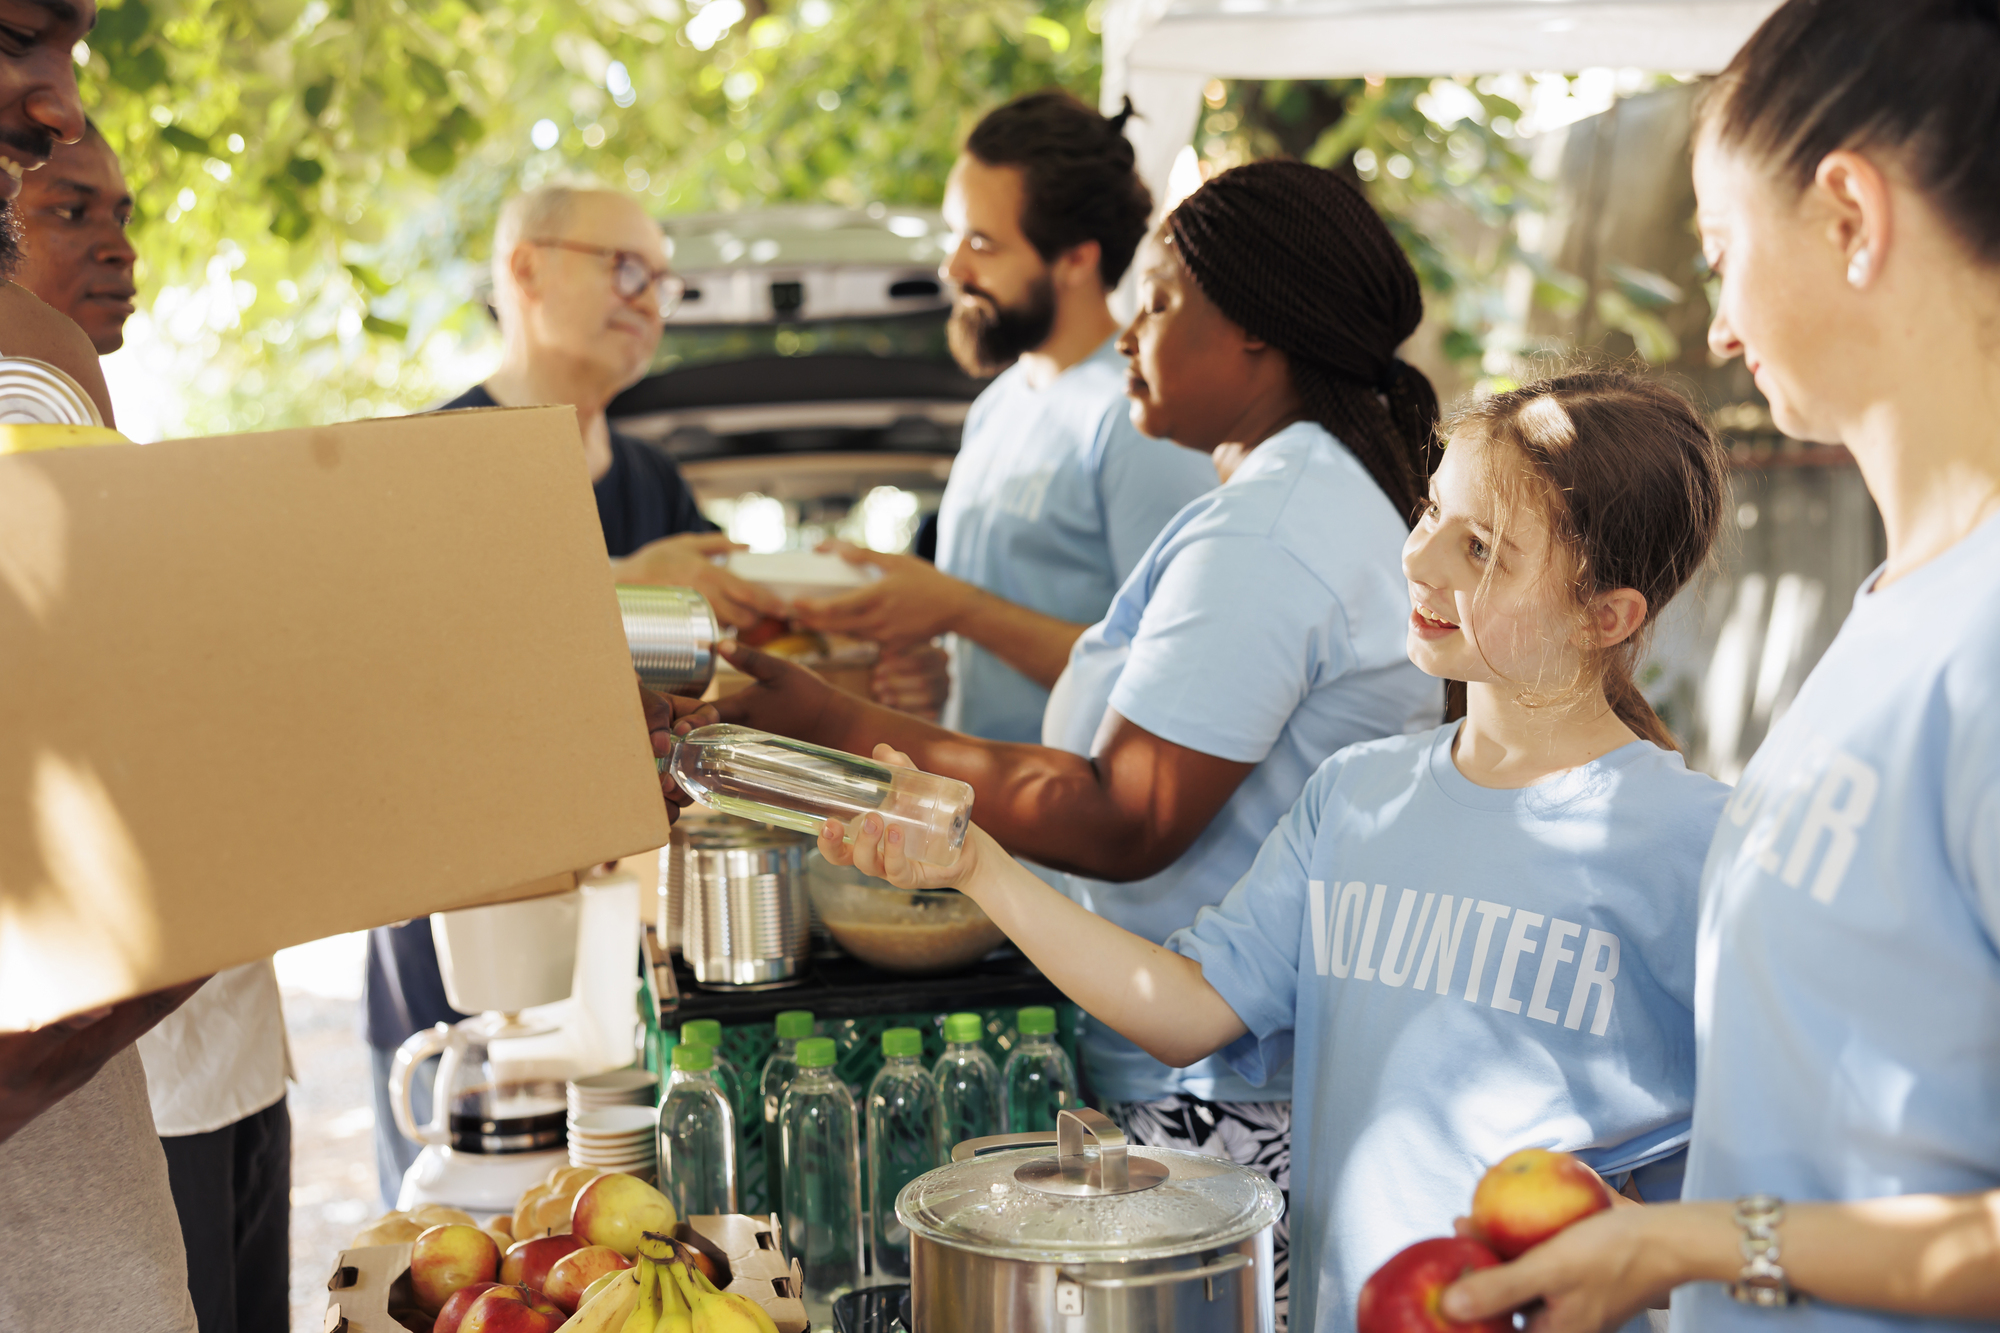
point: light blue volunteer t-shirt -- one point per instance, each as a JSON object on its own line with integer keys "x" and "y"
{"x": 1266, "y": 625}
{"x": 1053, "y": 498}
{"x": 1459, "y": 972}
{"x": 1848, "y": 1011}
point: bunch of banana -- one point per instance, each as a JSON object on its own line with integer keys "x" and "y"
{"x": 674, "y": 1295}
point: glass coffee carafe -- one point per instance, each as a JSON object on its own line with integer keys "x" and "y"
{"x": 480, "y": 1103}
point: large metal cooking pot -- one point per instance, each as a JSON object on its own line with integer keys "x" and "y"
{"x": 1094, "y": 1239}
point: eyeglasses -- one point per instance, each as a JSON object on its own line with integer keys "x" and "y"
{"x": 632, "y": 276}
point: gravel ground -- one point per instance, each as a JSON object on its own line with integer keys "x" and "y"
{"x": 333, "y": 1119}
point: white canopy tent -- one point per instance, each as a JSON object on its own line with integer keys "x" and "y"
{"x": 1163, "y": 52}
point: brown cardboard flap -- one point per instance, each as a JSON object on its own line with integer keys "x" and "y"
{"x": 260, "y": 689}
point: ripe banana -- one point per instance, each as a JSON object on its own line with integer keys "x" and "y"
{"x": 607, "y": 1311}
{"x": 717, "y": 1311}
{"x": 28, "y": 437}
{"x": 675, "y": 1317}
{"x": 645, "y": 1316}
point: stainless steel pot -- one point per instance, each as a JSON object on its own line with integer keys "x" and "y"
{"x": 1095, "y": 1239}
{"x": 745, "y": 917}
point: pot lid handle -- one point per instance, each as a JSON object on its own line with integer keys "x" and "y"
{"x": 1071, "y": 1126}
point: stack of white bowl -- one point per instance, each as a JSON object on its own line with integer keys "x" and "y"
{"x": 613, "y": 1124}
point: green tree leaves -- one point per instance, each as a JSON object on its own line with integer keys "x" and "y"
{"x": 317, "y": 179}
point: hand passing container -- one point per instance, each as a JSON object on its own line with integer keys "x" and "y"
{"x": 776, "y": 780}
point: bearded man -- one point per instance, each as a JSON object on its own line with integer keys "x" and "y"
{"x": 1055, "y": 495}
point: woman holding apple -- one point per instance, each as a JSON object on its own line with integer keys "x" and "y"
{"x": 1845, "y": 1160}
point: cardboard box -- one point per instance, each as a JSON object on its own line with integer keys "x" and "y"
{"x": 261, "y": 689}
{"x": 751, "y": 1254}
{"x": 370, "y": 1290}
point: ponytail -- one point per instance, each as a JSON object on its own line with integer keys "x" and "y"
{"x": 1622, "y": 692}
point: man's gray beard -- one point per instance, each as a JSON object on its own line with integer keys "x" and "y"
{"x": 10, "y": 240}
{"x": 985, "y": 341}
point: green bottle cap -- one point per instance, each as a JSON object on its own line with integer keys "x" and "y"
{"x": 963, "y": 1028}
{"x": 707, "y": 1031}
{"x": 692, "y": 1057}
{"x": 816, "y": 1053}
{"x": 1036, "y": 1021}
{"x": 795, "y": 1023}
{"x": 902, "y": 1041}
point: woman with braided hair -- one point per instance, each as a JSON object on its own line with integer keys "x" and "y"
{"x": 1262, "y": 630}
{"x": 1296, "y": 257}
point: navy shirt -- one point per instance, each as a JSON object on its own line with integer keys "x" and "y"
{"x": 640, "y": 499}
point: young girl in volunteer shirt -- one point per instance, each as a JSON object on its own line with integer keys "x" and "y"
{"x": 1473, "y": 939}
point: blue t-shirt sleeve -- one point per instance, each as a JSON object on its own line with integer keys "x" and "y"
{"x": 1248, "y": 945}
{"x": 1141, "y": 484}
{"x": 1234, "y": 636}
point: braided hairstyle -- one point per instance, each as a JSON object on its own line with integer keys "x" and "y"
{"x": 1296, "y": 256}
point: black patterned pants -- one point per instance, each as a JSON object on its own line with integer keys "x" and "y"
{"x": 1253, "y": 1134}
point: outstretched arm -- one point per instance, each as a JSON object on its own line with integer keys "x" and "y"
{"x": 1150, "y": 995}
{"x": 1922, "y": 1254}
{"x": 1124, "y": 813}
{"x": 914, "y": 602}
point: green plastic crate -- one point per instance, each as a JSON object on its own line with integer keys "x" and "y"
{"x": 859, "y": 1041}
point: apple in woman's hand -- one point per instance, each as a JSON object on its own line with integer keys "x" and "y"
{"x": 1532, "y": 1194}
{"x": 1403, "y": 1294}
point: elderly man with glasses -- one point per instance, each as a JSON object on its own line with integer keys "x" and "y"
{"x": 581, "y": 286}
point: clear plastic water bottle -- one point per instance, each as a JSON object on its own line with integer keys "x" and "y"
{"x": 779, "y": 1070}
{"x": 1039, "y": 1078}
{"x": 708, "y": 1032}
{"x": 902, "y": 1144}
{"x": 823, "y": 1218}
{"x": 968, "y": 1084}
{"x": 697, "y": 1136}
{"x": 777, "y": 780}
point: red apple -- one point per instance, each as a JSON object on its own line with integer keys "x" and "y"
{"x": 455, "y": 1308}
{"x": 616, "y": 1210}
{"x": 527, "y": 1262}
{"x": 573, "y": 1274}
{"x": 1531, "y": 1195}
{"x": 447, "y": 1258}
{"x": 512, "y": 1310}
{"x": 1402, "y": 1296}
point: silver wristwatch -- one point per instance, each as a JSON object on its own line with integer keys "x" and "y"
{"x": 1762, "y": 1281}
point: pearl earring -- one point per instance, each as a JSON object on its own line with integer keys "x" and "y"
{"x": 1857, "y": 269}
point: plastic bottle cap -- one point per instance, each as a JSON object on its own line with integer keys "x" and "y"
{"x": 816, "y": 1053}
{"x": 963, "y": 1028}
{"x": 693, "y": 1057}
{"x": 1036, "y": 1021}
{"x": 707, "y": 1031}
{"x": 902, "y": 1041}
{"x": 795, "y": 1023}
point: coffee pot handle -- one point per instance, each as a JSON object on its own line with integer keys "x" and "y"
{"x": 420, "y": 1047}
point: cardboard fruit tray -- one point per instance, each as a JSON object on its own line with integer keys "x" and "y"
{"x": 370, "y": 1292}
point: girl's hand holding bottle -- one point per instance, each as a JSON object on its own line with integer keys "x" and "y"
{"x": 877, "y": 848}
